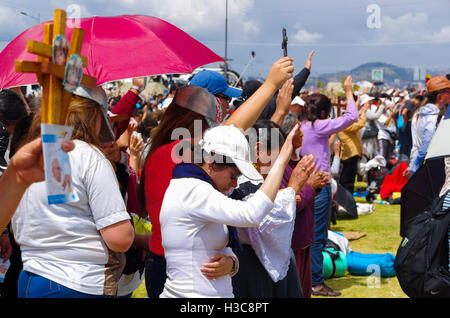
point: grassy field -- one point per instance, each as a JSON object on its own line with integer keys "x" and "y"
{"x": 382, "y": 236}
{"x": 382, "y": 229}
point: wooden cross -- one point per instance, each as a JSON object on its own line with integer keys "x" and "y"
{"x": 339, "y": 105}
{"x": 55, "y": 99}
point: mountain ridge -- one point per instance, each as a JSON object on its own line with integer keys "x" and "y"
{"x": 391, "y": 74}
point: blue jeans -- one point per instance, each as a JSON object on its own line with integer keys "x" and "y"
{"x": 155, "y": 274}
{"x": 35, "y": 286}
{"x": 322, "y": 212}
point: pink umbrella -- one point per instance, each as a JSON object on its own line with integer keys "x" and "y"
{"x": 116, "y": 48}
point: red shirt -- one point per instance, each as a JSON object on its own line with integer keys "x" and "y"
{"x": 126, "y": 105}
{"x": 158, "y": 173}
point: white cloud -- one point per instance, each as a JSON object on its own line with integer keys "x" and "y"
{"x": 408, "y": 27}
{"x": 251, "y": 27}
{"x": 443, "y": 35}
{"x": 200, "y": 16}
{"x": 303, "y": 36}
{"x": 11, "y": 23}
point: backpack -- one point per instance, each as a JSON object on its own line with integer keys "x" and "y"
{"x": 377, "y": 176}
{"x": 370, "y": 130}
{"x": 421, "y": 264}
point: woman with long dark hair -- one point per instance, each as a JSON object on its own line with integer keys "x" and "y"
{"x": 317, "y": 128}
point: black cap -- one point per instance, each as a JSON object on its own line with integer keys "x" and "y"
{"x": 250, "y": 87}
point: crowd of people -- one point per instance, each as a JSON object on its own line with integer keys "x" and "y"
{"x": 236, "y": 183}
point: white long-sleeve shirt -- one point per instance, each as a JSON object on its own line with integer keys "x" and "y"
{"x": 193, "y": 217}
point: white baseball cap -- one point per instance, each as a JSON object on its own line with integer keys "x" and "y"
{"x": 364, "y": 99}
{"x": 230, "y": 141}
{"x": 298, "y": 100}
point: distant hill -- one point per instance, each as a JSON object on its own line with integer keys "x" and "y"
{"x": 392, "y": 74}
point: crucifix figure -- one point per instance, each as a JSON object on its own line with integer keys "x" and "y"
{"x": 284, "y": 43}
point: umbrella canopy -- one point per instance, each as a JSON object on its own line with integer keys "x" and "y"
{"x": 117, "y": 48}
{"x": 424, "y": 185}
{"x": 346, "y": 200}
{"x": 439, "y": 145}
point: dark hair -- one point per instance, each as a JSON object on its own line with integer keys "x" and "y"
{"x": 35, "y": 104}
{"x": 220, "y": 161}
{"x": 114, "y": 100}
{"x": 432, "y": 96}
{"x": 12, "y": 107}
{"x": 21, "y": 130}
{"x": 289, "y": 121}
{"x": 138, "y": 112}
{"x": 262, "y": 127}
{"x": 150, "y": 121}
{"x": 319, "y": 107}
{"x": 263, "y": 131}
{"x": 173, "y": 87}
{"x": 174, "y": 116}
{"x": 419, "y": 98}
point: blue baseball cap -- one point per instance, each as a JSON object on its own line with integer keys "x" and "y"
{"x": 215, "y": 83}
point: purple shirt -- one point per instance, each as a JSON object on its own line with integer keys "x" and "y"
{"x": 315, "y": 140}
{"x": 303, "y": 234}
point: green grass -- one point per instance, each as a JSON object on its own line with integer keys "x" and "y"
{"x": 382, "y": 236}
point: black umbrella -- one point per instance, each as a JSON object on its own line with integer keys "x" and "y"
{"x": 345, "y": 199}
{"x": 424, "y": 186}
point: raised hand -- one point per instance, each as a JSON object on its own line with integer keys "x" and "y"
{"x": 289, "y": 144}
{"x": 280, "y": 72}
{"x": 283, "y": 102}
{"x": 136, "y": 146}
{"x": 284, "y": 97}
{"x": 337, "y": 148}
{"x": 139, "y": 82}
{"x": 348, "y": 84}
{"x": 309, "y": 60}
{"x": 26, "y": 162}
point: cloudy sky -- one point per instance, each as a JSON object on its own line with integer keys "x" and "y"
{"x": 344, "y": 33}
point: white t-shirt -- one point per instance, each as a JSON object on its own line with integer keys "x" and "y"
{"x": 192, "y": 219}
{"x": 62, "y": 242}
